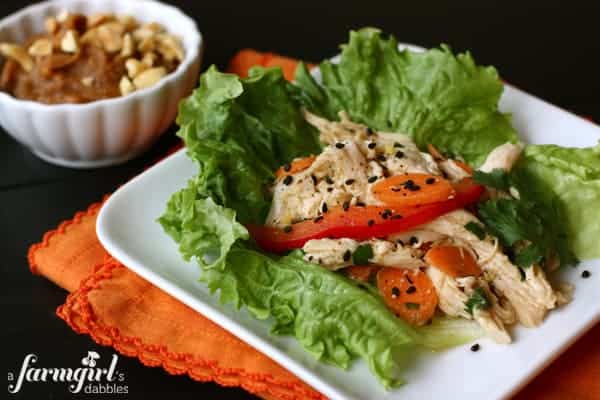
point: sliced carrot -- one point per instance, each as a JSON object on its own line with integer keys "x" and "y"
{"x": 244, "y": 60}
{"x": 287, "y": 65}
{"x": 453, "y": 260}
{"x": 409, "y": 293}
{"x": 361, "y": 273}
{"x": 299, "y": 164}
{"x": 435, "y": 153}
{"x": 413, "y": 189}
{"x": 464, "y": 166}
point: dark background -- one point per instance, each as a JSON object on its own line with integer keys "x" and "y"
{"x": 548, "y": 49}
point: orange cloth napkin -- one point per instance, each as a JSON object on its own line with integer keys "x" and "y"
{"x": 119, "y": 309}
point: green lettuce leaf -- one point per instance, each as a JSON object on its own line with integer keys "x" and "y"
{"x": 331, "y": 317}
{"x": 239, "y": 131}
{"x": 572, "y": 176}
{"x": 434, "y": 96}
{"x": 445, "y": 332}
{"x": 202, "y": 228}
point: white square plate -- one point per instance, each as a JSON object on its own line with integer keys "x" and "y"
{"x": 127, "y": 228}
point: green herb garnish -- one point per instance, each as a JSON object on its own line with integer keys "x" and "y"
{"x": 362, "y": 254}
{"x": 476, "y": 229}
{"x": 478, "y": 300}
{"x": 497, "y": 179}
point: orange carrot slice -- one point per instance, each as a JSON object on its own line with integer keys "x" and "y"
{"x": 299, "y": 164}
{"x": 413, "y": 189}
{"x": 248, "y": 58}
{"x": 453, "y": 260}
{"x": 244, "y": 60}
{"x": 362, "y": 273}
{"x": 409, "y": 293}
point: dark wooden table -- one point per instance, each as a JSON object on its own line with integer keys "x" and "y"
{"x": 547, "y": 49}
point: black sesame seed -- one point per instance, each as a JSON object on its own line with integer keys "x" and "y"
{"x": 287, "y": 228}
{"x": 347, "y": 255}
{"x": 399, "y": 154}
{"x": 397, "y": 216}
{"x": 314, "y": 179}
{"x": 413, "y": 240}
{"x": 329, "y": 180}
{"x": 370, "y": 131}
{"x": 409, "y": 280}
{"x": 414, "y": 188}
{"x": 430, "y": 181}
{"x": 411, "y": 289}
{"x": 381, "y": 158}
{"x": 324, "y": 207}
{"x": 396, "y": 144}
{"x": 288, "y": 180}
{"x": 370, "y": 222}
{"x": 360, "y": 204}
{"x": 287, "y": 167}
{"x": 318, "y": 219}
{"x": 310, "y": 258}
{"x": 372, "y": 145}
{"x": 475, "y": 347}
{"x": 400, "y": 242}
{"x": 330, "y": 189}
{"x": 372, "y": 179}
{"x": 386, "y": 213}
{"x": 395, "y": 292}
{"x": 349, "y": 181}
{"x": 408, "y": 183}
{"x": 586, "y": 274}
{"x": 346, "y": 205}
{"x": 339, "y": 145}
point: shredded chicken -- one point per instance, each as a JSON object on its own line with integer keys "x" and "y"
{"x": 502, "y": 157}
{"x": 451, "y": 298}
{"x": 531, "y": 297}
{"x": 452, "y": 170}
{"x": 356, "y": 158}
{"x": 341, "y": 172}
{"x": 337, "y": 253}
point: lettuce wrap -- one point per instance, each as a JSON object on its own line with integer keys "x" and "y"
{"x": 239, "y": 131}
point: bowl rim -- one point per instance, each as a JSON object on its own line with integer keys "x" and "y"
{"x": 192, "y": 53}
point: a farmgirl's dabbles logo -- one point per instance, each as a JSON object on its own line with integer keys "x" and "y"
{"x": 90, "y": 378}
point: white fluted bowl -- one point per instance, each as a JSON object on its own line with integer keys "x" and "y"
{"x": 103, "y": 132}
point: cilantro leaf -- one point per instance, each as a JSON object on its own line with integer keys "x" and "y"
{"x": 476, "y": 229}
{"x": 478, "y": 300}
{"x": 362, "y": 254}
{"x": 510, "y": 220}
{"x": 532, "y": 254}
{"x": 497, "y": 179}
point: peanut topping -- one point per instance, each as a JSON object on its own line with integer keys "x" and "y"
{"x": 149, "y": 77}
{"x": 41, "y": 47}
{"x": 69, "y": 42}
{"x": 81, "y": 58}
{"x": 18, "y": 54}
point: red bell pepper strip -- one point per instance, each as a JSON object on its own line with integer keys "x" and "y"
{"x": 361, "y": 223}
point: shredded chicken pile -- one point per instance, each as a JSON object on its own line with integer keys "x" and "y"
{"x": 354, "y": 159}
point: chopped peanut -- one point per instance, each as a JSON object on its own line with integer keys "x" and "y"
{"x": 149, "y": 77}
